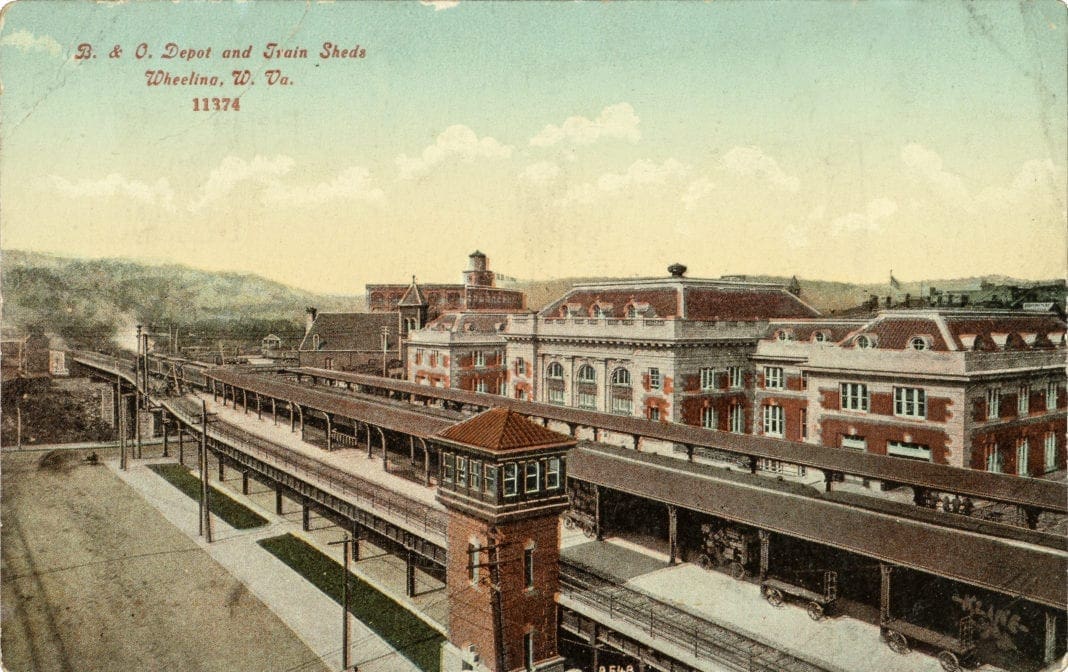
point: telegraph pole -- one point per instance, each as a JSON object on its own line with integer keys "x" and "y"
{"x": 205, "y": 506}
{"x": 385, "y": 347}
{"x": 137, "y": 397}
{"x": 122, "y": 430}
{"x": 344, "y": 601}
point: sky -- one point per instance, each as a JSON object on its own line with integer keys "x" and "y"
{"x": 831, "y": 140}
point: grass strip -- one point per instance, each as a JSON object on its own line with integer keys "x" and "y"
{"x": 236, "y": 515}
{"x": 405, "y": 632}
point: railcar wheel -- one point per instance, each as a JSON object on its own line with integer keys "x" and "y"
{"x": 949, "y": 661}
{"x": 815, "y": 610}
{"x": 774, "y": 597}
{"x": 897, "y": 642}
{"x": 737, "y": 571}
{"x": 705, "y": 562}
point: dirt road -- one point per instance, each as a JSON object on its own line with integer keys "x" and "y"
{"x": 93, "y": 578}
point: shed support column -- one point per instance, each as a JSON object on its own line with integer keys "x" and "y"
{"x": 214, "y": 391}
{"x": 598, "y": 529}
{"x": 305, "y": 515}
{"x": 919, "y": 496}
{"x": 673, "y": 534}
{"x": 244, "y": 401}
{"x": 572, "y": 428}
{"x": 426, "y": 463}
{"x": 884, "y": 591}
{"x": 329, "y": 432}
{"x": 596, "y": 434}
{"x": 300, "y": 414}
{"x": 765, "y": 542}
{"x": 355, "y": 541}
{"x": 1049, "y": 653}
{"x": 274, "y": 411}
{"x": 181, "y": 445}
{"x": 409, "y": 570}
{"x": 292, "y": 418}
{"x": 166, "y": 432}
{"x": 637, "y": 441}
{"x": 244, "y": 482}
{"x": 411, "y": 450}
{"x": 828, "y": 478}
{"x": 259, "y": 407}
{"x": 594, "y": 648}
{"x": 369, "y": 453}
{"x": 385, "y": 454}
{"x": 689, "y": 453}
{"x": 278, "y": 498}
{"x": 1030, "y": 516}
{"x": 222, "y": 472}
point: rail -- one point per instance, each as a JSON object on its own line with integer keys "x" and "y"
{"x": 418, "y": 517}
{"x": 703, "y": 639}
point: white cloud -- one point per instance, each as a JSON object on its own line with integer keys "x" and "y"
{"x": 615, "y": 121}
{"x": 25, "y": 41}
{"x": 116, "y": 185}
{"x": 926, "y": 165}
{"x": 640, "y": 173}
{"x": 234, "y": 170}
{"x": 1036, "y": 176}
{"x": 455, "y": 142}
{"x": 541, "y": 172}
{"x": 748, "y": 161}
{"x": 868, "y": 221}
{"x": 698, "y": 190}
{"x": 439, "y": 5}
{"x": 353, "y": 183}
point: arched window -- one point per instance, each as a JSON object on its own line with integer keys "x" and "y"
{"x": 621, "y": 377}
{"x": 864, "y": 342}
{"x": 586, "y": 374}
{"x": 919, "y": 343}
{"x": 632, "y": 312}
{"x": 598, "y": 311}
{"x": 819, "y": 336}
{"x": 555, "y": 371}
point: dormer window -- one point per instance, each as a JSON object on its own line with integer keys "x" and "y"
{"x": 315, "y": 342}
{"x": 864, "y": 342}
{"x": 920, "y": 343}
{"x": 597, "y": 311}
{"x": 631, "y": 312}
{"x": 784, "y": 335}
{"x": 820, "y": 337}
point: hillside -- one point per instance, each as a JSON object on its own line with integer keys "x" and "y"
{"x": 89, "y": 301}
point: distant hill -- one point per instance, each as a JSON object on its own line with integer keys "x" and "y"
{"x": 89, "y": 301}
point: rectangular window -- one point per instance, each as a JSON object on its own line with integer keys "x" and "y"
{"x": 449, "y": 467}
{"x": 734, "y": 376}
{"x": 1051, "y": 396}
{"x": 480, "y": 358}
{"x": 528, "y": 651}
{"x": 532, "y": 473}
{"x": 472, "y": 563}
{"x": 993, "y": 460}
{"x": 912, "y": 451}
{"x": 528, "y": 567}
{"x": 461, "y": 471}
{"x": 804, "y": 380}
{"x": 556, "y": 395}
{"x": 1023, "y": 401}
{"x": 773, "y": 420}
{"x": 621, "y": 405}
{"x": 910, "y": 402}
{"x": 1023, "y": 447}
{"x": 418, "y": 356}
{"x": 511, "y": 479}
{"x": 708, "y": 378}
{"x": 708, "y": 417}
{"x": 552, "y": 473}
{"x": 521, "y": 367}
{"x": 480, "y": 385}
{"x": 993, "y": 403}
{"x": 854, "y": 397}
{"x": 587, "y": 401}
{"x": 1051, "y": 451}
{"x": 476, "y": 475}
{"x": 803, "y": 422}
{"x": 654, "y": 378}
{"x": 490, "y": 479}
{"x": 854, "y": 442}
{"x": 773, "y": 377}
{"x": 737, "y": 419}
{"x": 654, "y": 412}
{"x": 433, "y": 359}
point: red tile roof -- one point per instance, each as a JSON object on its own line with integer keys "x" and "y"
{"x": 965, "y": 330}
{"x": 501, "y": 429}
{"x": 803, "y": 330}
{"x": 697, "y": 300}
{"x": 360, "y": 332}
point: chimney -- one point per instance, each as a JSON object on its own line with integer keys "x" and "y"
{"x": 677, "y": 270}
{"x": 309, "y": 317}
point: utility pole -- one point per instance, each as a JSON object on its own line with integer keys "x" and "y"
{"x": 344, "y": 600}
{"x": 137, "y": 396}
{"x": 205, "y": 506}
{"x": 122, "y": 430}
{"x": 385, "y": 348}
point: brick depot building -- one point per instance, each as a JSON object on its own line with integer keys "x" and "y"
{"x": 974, "y": 389}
